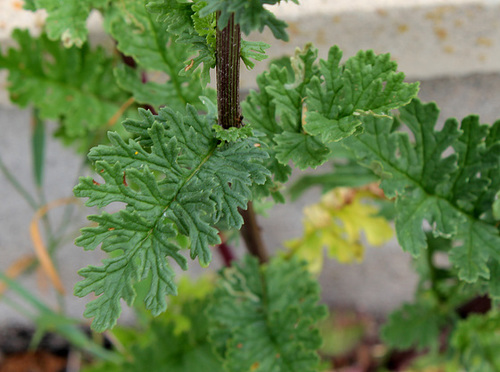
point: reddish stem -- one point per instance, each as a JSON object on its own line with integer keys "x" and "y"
{"x": 226, "y": 253}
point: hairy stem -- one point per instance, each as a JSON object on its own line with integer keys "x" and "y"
{"x": 229, "y": 113}
{"x": 228, "y": 74}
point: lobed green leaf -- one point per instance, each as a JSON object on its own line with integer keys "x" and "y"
{"x": 303, "y": 108}
{"x": 168, "y": 349}
{"x": 249, "y": 14}
{"x": 475, "y": 342}
{"x": 414, "y": 325}
{"x": 263, "y": 317}
{"x": 181, "y": 184}
{"x": 448, "y": 178}
{"x": 67, "y": 20}
{"x": 74, "y": 86}
{"x": 193, "y": 32}
{"x": 140, "y": 35}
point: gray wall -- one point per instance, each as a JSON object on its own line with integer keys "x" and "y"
{"x": 459, "y": 71}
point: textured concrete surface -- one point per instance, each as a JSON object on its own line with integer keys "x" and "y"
{"x": 428, "y": 38}
{"x": 452, "y": 45}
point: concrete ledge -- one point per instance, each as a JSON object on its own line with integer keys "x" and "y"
{"x": 428, "y": 38}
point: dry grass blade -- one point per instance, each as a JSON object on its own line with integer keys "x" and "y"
{"x": 39, "y": 247}
{"x": 118, "y": 114}
{"x": 17, "y": 268}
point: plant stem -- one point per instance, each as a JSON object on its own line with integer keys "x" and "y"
{"x": 225, "y": 251}
{"x": 17, "y": 185}
{"x": 229, "y": 113}
{"x": 228, "y": 74}
{"x": 251, "y": 233}
{"x": 433, "y": 276}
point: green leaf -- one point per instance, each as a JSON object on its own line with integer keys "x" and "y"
{"x": 174, "y": 341}
{"x": 304, "y": 151}
{"x": 74, "y": 86}
{"x": 280, "y": 97}
{"x": 193, "y": 32}
{"x": 415, "y": 207}
{"x": 232, "y": 134}
{"x": 338, "y": 99}
{"x": 414, "y": 325}
{"x": 448, "y": 189}
{"x": 302, "y": 103}
{"x": 476, "y": 342}
{"x": 253, "y": 49}
{"x": 483, "y": 203}
{"x": 166, "y": 349}
{"x": 263, "y": 317}
{"x": 260, "y": 111}
{"x": 480, "y": 241}
{"x": 67, "y": 19}
{"x": 343, "y": 175}
{"x": 179, "y": 185}
{"x": 496, "y": 207}
{"x": 474, "y": 185}
{"x": 156, "y": 94}
{"x": 151, "y": 93}
{"x": 494, "y": 283}
{"x": 249, "y": 14}
{"x": 141, "y": 35}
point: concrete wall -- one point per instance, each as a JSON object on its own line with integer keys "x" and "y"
{"x": 452, "y": 46}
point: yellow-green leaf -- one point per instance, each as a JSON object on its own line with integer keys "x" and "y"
{"x": 337, "y": 223}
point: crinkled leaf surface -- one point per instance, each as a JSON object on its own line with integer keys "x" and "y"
{"x": 67, "y": 19}
{"x": 194, "y": 28}
{"x": 303, "y": 150}
{"x": 192, "y": 32}
{"x": 249, "y": 14}
{"x": 71, "y": 85}
{"x": 414, "y": 325}
{"x": 139, "y": 34}
{"x": 263, "y": 317}
{"x": 175, "y": 341}
{"x": 339, "y": 98}
{"x": 476, "y": 342}
{"x": 447, "y": 177}
{"x": 494, "y": 282}
{"x": 302, "y": 107}
{"x": 179, "y": 184}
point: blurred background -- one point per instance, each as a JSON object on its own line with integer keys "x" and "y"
{"x": 451, "y": 46}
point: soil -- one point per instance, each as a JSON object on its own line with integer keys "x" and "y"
{"x": 366, "y": 353}
{"x": 38, "y": 361}
{"x": 16, "y": 356}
